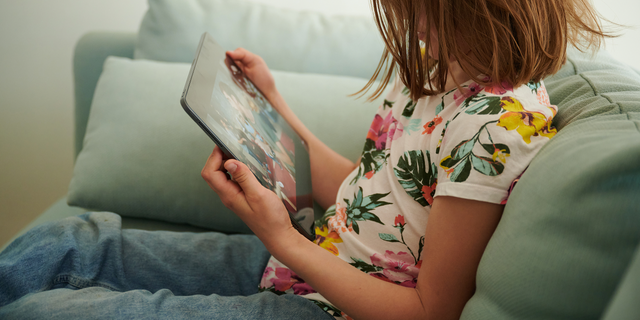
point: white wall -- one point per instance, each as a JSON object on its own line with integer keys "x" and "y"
{"x": 625, "y": 48}
{"x": 36, "y": 99}
{"x": 37, "y": 38}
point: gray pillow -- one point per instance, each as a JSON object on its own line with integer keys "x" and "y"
{"x": 142, "y": 153}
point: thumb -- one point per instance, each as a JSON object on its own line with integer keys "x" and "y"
{"x": 243, "y": 177}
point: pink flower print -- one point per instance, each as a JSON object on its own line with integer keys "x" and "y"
{"x": 264, "y": 283}
{"x": 543, "y": 99}
{"x": 471, "y": 90}
{"x": 381, "y": 277}
{"x": 379, "y": 130}
{"x": 499, "y": 89}
{"x": 542, "y": 95}
{"x": 397, "y": 267}
{"x": 396, "y": 130}
{"x": 369, "y": 174}
{"x": 302, "y": 289}
{"x": 287, "y": 279}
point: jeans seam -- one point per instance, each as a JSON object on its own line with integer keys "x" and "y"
{"x": 79, "y": 283}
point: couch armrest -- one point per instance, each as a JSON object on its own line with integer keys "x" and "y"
{"x": 89, "y": 56}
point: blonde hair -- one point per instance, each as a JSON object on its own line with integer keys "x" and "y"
{"x": 513, "y": 41}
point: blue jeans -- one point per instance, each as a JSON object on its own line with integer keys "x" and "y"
{"x": 88, "y": 267}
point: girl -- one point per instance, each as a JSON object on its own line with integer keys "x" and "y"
{"x": 464, "y": 117}
{"x": 458, "y": 128}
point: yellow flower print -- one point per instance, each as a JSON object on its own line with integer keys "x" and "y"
{"x": 526, "y": 123}
{"x": 326, "y": 239}
{"x": 500, "y": 154}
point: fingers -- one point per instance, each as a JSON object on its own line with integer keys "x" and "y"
{"x": 238, "y": 54}
{"x": 215, "y": 176}
{"x": 244, "y": 58}
{"x": 233, "y": 193}
{"x": 244, "y": 178}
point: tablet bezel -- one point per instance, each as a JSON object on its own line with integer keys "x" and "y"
{"x": 198, "y": 91}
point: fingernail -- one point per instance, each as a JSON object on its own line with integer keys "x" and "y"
{"x": 231, "y": 167}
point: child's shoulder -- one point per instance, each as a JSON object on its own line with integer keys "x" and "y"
{"x": 477, "y": 99}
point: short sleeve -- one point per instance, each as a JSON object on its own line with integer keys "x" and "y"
{"x": 489, "y": 142}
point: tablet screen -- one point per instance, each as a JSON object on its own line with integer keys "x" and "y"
{"x": 242, "y": 122}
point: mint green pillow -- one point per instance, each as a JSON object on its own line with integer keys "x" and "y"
{"x": 301, "y": 41}
{"x": 572, "y": 222}
{"x": 142, "y": 154}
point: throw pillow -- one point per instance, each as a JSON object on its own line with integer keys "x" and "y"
{"x": 142, "y": 153}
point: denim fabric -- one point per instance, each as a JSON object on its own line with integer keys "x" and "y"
{"x": 88, "y": 267}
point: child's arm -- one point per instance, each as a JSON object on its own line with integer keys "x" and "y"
{"x": 328, "y": 168}
{"x": 456, "y": 236}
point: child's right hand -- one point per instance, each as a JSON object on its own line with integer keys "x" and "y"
{"x": 254, "y": 67}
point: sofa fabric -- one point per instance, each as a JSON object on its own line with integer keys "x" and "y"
{"x": 570, "y": 227}
{"x": 564, "y": 248}
{"x": 142, "y": 154}
{"x": 301, "y": 41}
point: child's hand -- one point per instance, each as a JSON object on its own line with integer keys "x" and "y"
{"x": 255, "y": 69}
{"x": 260, "y": 208}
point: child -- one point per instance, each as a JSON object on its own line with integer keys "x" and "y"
{"x": 461, "y": 123}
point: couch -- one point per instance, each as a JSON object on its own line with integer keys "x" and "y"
{"x": 567, "y": 246}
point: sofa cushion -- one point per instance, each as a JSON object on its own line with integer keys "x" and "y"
{"x": 571, "y": 224}
{"x": 142, "y": 154}
{"x": 624, "y": 305}
{"x": 301, "y": 41}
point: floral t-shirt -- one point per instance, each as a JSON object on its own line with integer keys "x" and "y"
{"x": 472, "y": 143}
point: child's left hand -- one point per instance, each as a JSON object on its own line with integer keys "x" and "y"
{"x": 260, "y": 208}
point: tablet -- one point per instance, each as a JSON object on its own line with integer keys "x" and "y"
{"x": 244, "y": 125}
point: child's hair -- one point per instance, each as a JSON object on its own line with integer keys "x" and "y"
{"x": 513, "y": 41}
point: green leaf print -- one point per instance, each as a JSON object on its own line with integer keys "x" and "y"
{"x": 448, "y": 162}
{"x": 486, "y": 166}
{"x": 388, "y": 237}
{"x": 491, "y": 148}
{"x": 405, "y": 91}
{"x": 327, "y": 308}
{"x": 331, "y": 211}
{"x": 413, "y": 126}
{"x": 409, "y": 109}
{"x": 444, "y": 130}
{"x": 463, "y": 149}
{"x": 440, "y": 107}
{"x": 414, "y": 172}
{"x": 458, "y": 165}
{"x": 481, "y": 104}
{"x": 364, "y": 267}
{"x": 534, "y": 86}
{"x": 461, "y": 171}
{"x": 400, "y": 224}
{"x": 387, "y": 104}
{"x": 371, "y": 161}
{"x": 361, "y": 207}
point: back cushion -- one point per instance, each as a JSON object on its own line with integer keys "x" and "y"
{"x": 571, "y": 224}
{"x": 310, "y": 42}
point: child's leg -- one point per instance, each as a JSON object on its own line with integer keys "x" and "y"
{"x": 101, "y": 303}
{"x": 91, "y": 250}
